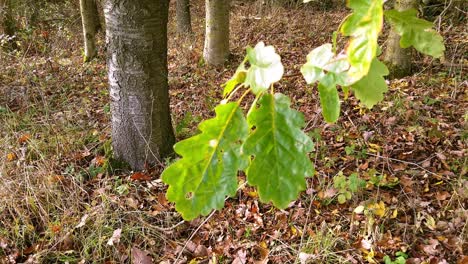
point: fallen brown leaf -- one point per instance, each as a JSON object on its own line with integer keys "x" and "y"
{"x": 24, "y": 138}
{"x": 140, "y": 176}
{"x": 140, "y": 257}
{"x": 431, "y": 249}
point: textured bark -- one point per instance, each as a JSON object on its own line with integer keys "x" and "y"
{"x": 216, "y": 49}
{"x": 90, "y": 22}
{"x": 136, "y": 33}
{"x": 184, "y": 22}
{"x": 399, "y": 60}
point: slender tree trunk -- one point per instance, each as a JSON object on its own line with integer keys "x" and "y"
{"x": 399, "y": 60}
{"x": 2, "y": 16}
{"x": 7, "y": 25}
{"x": 260, "y": 7}
{"x": 32, "y": 12}
{"x": 216, "y": 49}
{"x": 184, "y": 22}
{"x": 136, "y": 33}
{"x": 90, "y": 22}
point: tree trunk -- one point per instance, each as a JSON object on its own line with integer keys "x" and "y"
{"x": 7, "y": 24}
{"x": 2, "y": 16}
{"x": 90, "y": 22}
{"x": 399, "y": 60}
{"x": 260, "y": 7}
{"x": 216, "y": 49}
{"x": 184, "y": 24}
{"x": 32, "y": 13}
{"x": 136, "y": 33}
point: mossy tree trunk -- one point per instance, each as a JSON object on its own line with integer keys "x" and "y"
{"x": 216, "y": 49}
{"x": 91, "y": 25}
{"x": 136, "y": 34}
{"x": 399, "y": 60}
{"x": 184, "y": 21}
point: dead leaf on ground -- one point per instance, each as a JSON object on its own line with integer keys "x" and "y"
{"x": 99, "y": 160}
{"x": 304, "y": 257}
{"x": 377, "y": 209}
{"x": 115, "y": 239}
{"x": 140, "y": 257}
{"x": 407, "y": 183}
{"x": 262, "y": 252}
{"x": 431, "y": 249}
{"x": 463, "y": 260}
{"x": 443, "y": 195}
{"x": 11, "y": 156}
{"x": 241, "y": 257}
{"x": 82, "y": 221}
{"x": 131, "y": 202}
{"x": 327, "y": 194}
{"x": 140, "y": 176}
{"x": 24, "y": 138}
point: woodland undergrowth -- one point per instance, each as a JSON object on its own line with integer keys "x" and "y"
{"x": 391, "y": 183}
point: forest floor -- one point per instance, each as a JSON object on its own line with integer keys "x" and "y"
{"x": 58, "y": 204}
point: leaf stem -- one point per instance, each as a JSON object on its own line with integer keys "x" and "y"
{"x": 243, "y": 95}
{"x": 334, "y": 38}
{"x": 253, "y": 104}
{"x": 234, "y": 91}
{"x": 342, "y": 22}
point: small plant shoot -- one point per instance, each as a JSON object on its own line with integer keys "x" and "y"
{"x": 267, "y": 141}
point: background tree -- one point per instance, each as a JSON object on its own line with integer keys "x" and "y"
{"x": 137, "y": 60}
{"x": 398, "y": 59}
{"x": 184, "y": 22}
{"x": 91, "y": 25}
{"x": 32, "y": 12}
{"x": 7, "y": 24}
{"x": 216, "y": 49}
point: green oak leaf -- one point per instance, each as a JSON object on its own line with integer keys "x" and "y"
{"x": 329, "y": 70}
{"x": 370, "y": 89}
{"x": 322, "y": 61}
{"x": 329, "y": 98}
{"x": 316, "y": 61}
{"x": 416, "y": 32}
{"x": 363, "y": 26}
{"x": 207, "y": 172}
{"x": 265, "y": 68}
{"x": 280, "y": 150}
{"x": 239, "y": 77}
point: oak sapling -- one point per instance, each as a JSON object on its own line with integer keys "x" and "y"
{"x": 267, "y": 142}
